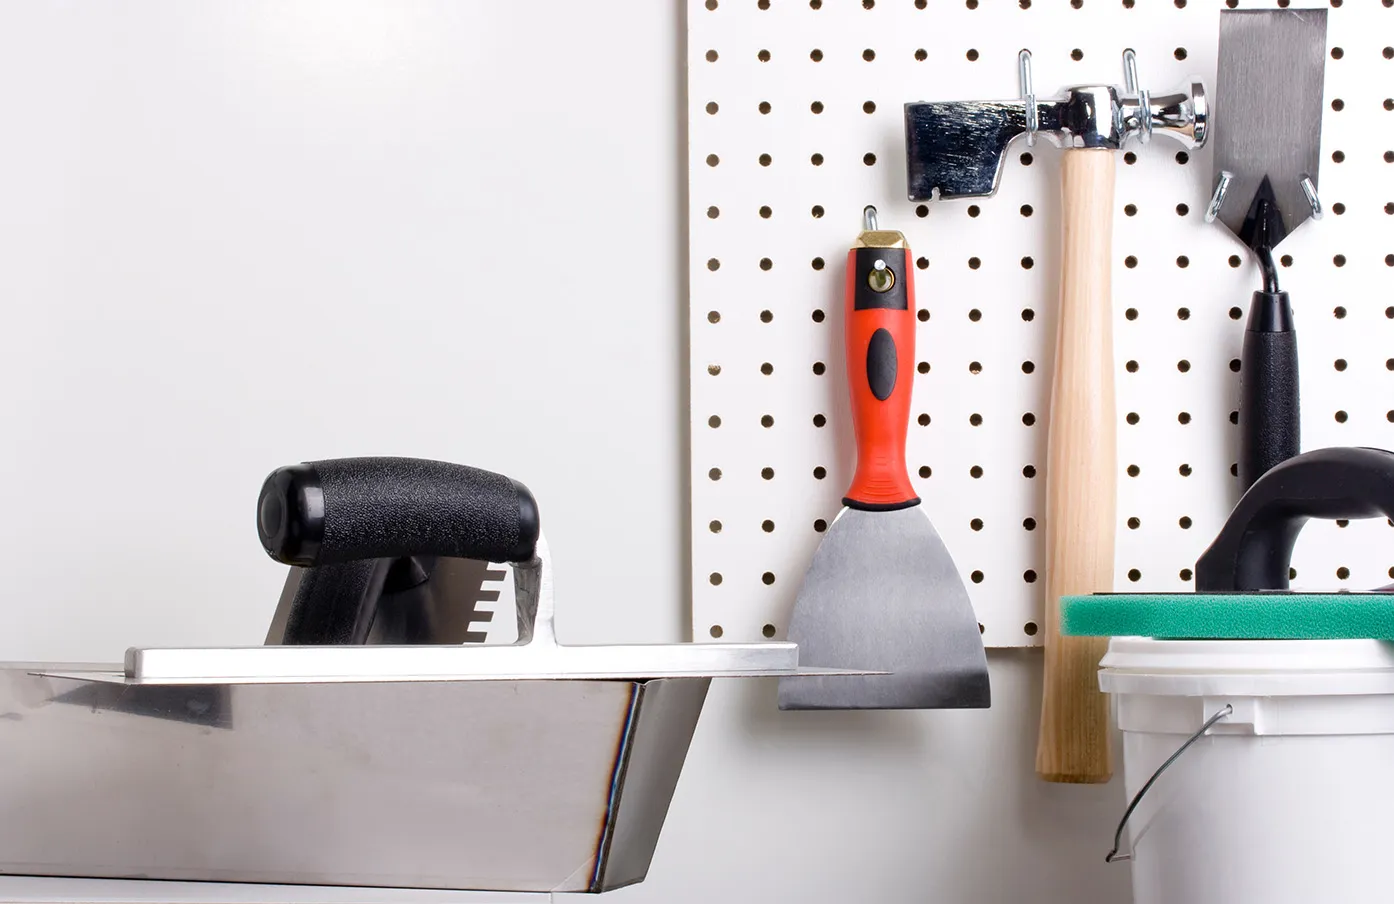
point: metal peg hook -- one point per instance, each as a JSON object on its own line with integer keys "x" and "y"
{"x": 869, "y": 218}
{"x": 1023, "y": 74}
{"x": 1309, "y": 191}
{"x": 1113, "y": 856}
{"x": 1144, "y": 102}
{"x": 1217, "y": 200}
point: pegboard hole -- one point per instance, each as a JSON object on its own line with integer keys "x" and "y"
{"x": 971, "y": 4}
{"x": 767, "y": 473}
{"x": 715, "y": 630}
{"x": 1235, "y": 261}
{"x": 975, "y": 315}
{"x": 869, "y": 107}
{"x": 818, "y": 316}
{"x": 976, "y": 577}
{"x": 815, "y": 55}
{"x": 713, "y": 213}
{"x": 1028, "y": 419}
{"x": 925, "y": 471}
{"x": 712, "y": 56}
{"x": 1130, "y": 261}
{"x": 1134, "y": 470}
{"x": 1185, "y": 522}
{"x": 1183, "y": 313}
{"x": 1234, "y": 417}
{"x": 712, "y": 108}
{"x": 820, "y": 525}
{"x": 713, "y": 160}
{"x": 921, "y": 55}
{"x": 1184, "y": 417}
{"x": 767, "y": 631}
{"x": 1182, "y": 210}
{"x": 1235, "y": 313}
{"x": 1338, "y": 156}
{"x": 1076, "y": 54}
{"x": 766, "y": 212}
{"x": 819, "y": 368}
{"x": 922, "y": 314}
{"x": 1133, "y": 418}
{"x": 1027, "y": 263}
{"x": 1131, "y": 367}
{"x": 1134, "y": 575}
{"x": 975, "y": 367}
{"x": 1130, "y": 158}
{"x": 1027, "y": 159}
{"x": 763, "y": 56}
{"x": 976, "y": 524}
{"x": 1130, "y": 210}
{"x": 816, "y": 160}
{"x": 923, "y": 367}
{"x": 766, "y": 316}
{"x": 975, "y": 419}
{"x": 1029, "y": 472}
{"x": 1341, "y": 417}
{"x": 1130, "y": 313}
{"x": 767, "y": 578}
{"x": 816, "y": 106}
{"x": 1028, "y": 523}
{"x": 1337, "y": 104}
{"x": 1028, "y": 367}
{"x": 975, "y": 472}
{"x": 1179, "y": 53}
{"x": 1340, "y": 364}
{"x": 767, "y": 368}
{"x": 922, "y": 263}
{"x": 972, "y": 55}
{"x": 922, "y": 211}
{"x": 869, "y": 159}
{"x": 1342, "y": 573}
{"x": 766, "y": 160}
{"x": 1185, "y": 574}
{"x": 816, "y": 263}
{"x": 1134, "y": 523}
{"x": 820, "y": 472}
{"x": 714, "y": 421}
{"x": 711, "y": 4}
{"x": 714, "y": 578}
{"x": 1337, "y": 53}
{"x": 713, "y": 369}
{"x": 1030, "y": 629}
{"x": 1339, "y": 312}
{"x": 766, "y": 263}
{"x": 714, "y": 473}
{"x": 1183, "y": 158}
{"x": 819, "y": 420}
{"x": 713, "y": 317}
{"x": 974, "y": 210}
{"x": 765, "y": 108}
{"x": 923, "y": 420}
{"x": 1028, "y": 314}
{"x": 1285, "y": 260}
{"x": 713, "y": 264}
{"x": 1339, "y": 260}
{"x": 714, "y": 527}
{"x": 1183, "y": 261}
{"x": 766, "y": 421}
{"x": 815, "y": 4}
{"x": 974, "y": 263}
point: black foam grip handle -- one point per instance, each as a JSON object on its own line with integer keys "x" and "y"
{"x": 342, "y": 510}
{"x": 1253, "y": 551}
{"x": 1270, "y": 429}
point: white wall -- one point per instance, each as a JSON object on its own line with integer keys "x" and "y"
{"x": 238, "y": 235}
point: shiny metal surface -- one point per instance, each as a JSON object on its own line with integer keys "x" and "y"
{"x": 495, "y": 785}
{"x": 1269, "y": 98}
{"x": 957, "y": 148}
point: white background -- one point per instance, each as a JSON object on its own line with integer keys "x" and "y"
{"x": 234, "y": 236}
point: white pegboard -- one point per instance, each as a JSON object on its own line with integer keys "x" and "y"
{"x": 769, "y": 234}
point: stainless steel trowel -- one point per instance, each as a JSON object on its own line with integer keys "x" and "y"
{"x": 1268, "y": 108}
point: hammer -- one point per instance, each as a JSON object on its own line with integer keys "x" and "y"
{"x": 957, "y": 149}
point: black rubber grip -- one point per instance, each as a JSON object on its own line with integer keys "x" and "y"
{"x": 881, "y": 362}
{"x": 343, "y": 510}
{"x": 1270, "y": 429}
{"x": 335, "y": 604}
{"x": 1254, "y": 549}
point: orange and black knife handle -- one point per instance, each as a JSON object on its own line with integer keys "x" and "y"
{"x": 880, "y": 350}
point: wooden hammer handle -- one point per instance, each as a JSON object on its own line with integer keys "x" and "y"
{"x": 1073, "y": 745}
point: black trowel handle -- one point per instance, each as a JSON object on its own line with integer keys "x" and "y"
{"x": 347, "y": 509}
{"x": 1270, "y": 429}
{"x": 1253, "y": 551}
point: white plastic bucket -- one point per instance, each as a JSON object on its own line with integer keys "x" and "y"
{"x": 1288, "y": 799}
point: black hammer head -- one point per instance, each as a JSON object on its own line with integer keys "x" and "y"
{"x": 957, "y": 149}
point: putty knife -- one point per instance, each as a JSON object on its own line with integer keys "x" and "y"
{"x": 882, "y": 592}
{"x": 1268, "y": 103}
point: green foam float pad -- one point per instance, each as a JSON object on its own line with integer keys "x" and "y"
{"x": 1271, "y": 615}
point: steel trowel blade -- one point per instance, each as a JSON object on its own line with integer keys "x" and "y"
{"x": 882, "y": 593}
{"x": 1268, "y": 108}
